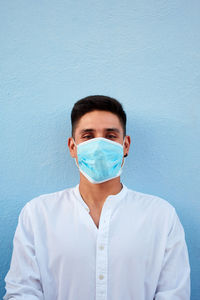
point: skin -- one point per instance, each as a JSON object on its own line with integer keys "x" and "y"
{"x": 92, "y": 125}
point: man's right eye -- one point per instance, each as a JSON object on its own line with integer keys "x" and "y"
{"x": 87, "y": 136}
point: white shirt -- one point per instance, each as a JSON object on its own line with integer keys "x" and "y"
{"x": 137, "y": 253}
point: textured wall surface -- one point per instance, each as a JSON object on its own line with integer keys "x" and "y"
{"x": 146, "y": 54}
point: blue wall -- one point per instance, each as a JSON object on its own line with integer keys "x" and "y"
{"x": 146, "y": 54}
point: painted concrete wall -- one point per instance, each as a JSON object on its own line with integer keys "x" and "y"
{"x": 144, "y": 53}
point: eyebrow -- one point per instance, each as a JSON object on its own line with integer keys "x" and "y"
{"x": 106, "y": 129}
{"x": 86, "y": 130}
{"x": 113, "y": 129}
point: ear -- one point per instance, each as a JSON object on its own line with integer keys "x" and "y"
{"x": 72, "y": 147}
{"x": 127, "y": 143}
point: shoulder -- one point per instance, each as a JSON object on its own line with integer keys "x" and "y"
{"x": 50, "y": 202}
{"x": 155, "y": 211}
{"x": 148, "y": 200}
{"x": 151, "y": 206}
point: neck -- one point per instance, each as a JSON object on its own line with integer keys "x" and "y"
{"x": 95, "y": 195}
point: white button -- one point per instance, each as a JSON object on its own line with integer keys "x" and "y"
{"x": 101, "y": 277}
{"x": 101, "y": 247}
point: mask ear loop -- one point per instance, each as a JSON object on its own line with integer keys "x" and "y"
{"x": 74, "y": 157}
{"x": 124, "y": 155}
{"x": 74, "y": 141}
{"x": 123, "y": 147}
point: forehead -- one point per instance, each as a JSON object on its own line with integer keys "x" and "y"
{"x": 99, "y": 120}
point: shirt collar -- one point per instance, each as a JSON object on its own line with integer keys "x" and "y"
{"x": 111, "y": 201}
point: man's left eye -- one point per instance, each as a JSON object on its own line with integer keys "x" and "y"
{"x": 111, "y": 136}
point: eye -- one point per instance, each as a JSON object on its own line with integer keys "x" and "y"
{"x": 111, "y": 136}
{"x": 88, "y": 136}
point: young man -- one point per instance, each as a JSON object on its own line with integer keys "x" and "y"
{"x": 99, "y": 240}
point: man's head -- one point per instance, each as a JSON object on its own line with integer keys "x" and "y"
{"x": 97, "y": 103}
{"x": 98, "y": 117}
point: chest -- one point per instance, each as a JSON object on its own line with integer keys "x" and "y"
{"x": 95, "y": 217}
{"x": 127, "y": 240}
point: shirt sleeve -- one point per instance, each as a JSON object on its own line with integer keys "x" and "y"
{"x": 174, "y": 279}
{"x": 23, "y": 279}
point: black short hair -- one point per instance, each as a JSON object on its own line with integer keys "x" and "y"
{"x": 97, "y": 102}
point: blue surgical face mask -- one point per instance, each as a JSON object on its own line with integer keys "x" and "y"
{"x": 100, "y": 159}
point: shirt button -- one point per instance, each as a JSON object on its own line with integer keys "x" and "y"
{"x": 101, "y": 247}
{"x": 101, "y": 277}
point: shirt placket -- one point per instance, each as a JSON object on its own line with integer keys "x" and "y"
{"x": 102, "y": 255}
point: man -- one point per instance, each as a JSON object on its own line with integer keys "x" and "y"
{"x": 99, "y": 240}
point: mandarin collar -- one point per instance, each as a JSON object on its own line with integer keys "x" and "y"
{"x": 111, "y": 201}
